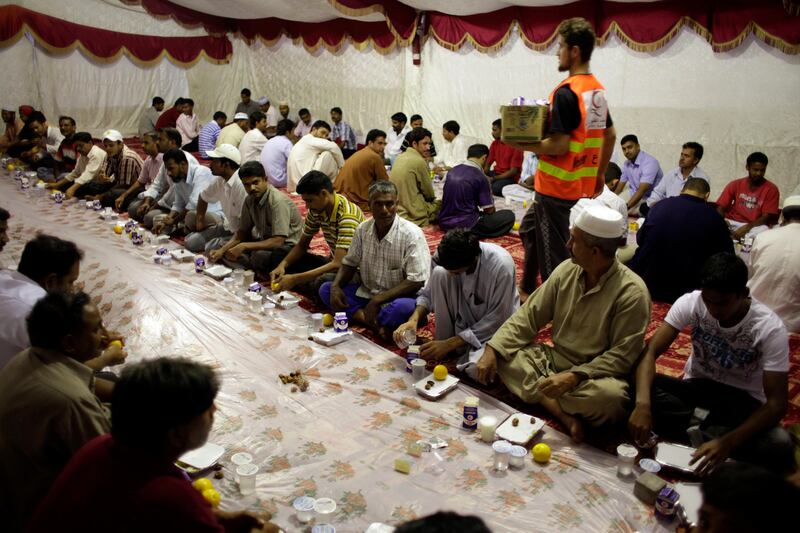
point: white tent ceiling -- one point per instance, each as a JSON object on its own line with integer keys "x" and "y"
{"x": 322, "y": 10}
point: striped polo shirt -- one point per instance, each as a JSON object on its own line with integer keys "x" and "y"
{"x": 339, "y": 229}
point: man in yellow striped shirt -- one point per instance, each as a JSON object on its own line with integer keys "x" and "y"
{"x": 338, "y": 219}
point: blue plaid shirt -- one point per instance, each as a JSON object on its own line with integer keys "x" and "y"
{"x": 343, "y": 131}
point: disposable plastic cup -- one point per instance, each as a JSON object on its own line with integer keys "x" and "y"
{"x": 247, "y": 478}
{"x": 487, "y": 426}
{"x": 502, "y": 453}
{"x": 626, "y": 454}
{"x": 324, "y": 509}
{"x": 241, "y": 458}
{"x": 304, "y": 508}
{"x": 418, "y": 369}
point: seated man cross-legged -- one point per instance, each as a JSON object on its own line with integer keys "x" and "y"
{"x": 338, "y": 219}
{"x": 599, "y": 310}
{"x": 393, "y": 260}
{"x": 472, "y": 291}
{"x": 736, "y": 375}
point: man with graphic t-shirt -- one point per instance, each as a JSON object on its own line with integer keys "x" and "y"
{"x": 572, "y": 159}
{"x": 734, "y": 391}
{"x": 750, "y": 204}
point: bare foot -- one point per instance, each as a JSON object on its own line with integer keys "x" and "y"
{"x": 572, "y": 423}
{"x": 522, "y": 295}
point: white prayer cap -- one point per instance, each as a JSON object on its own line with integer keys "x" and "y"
{"x": 792, "y": 201}
{"x": 241, "y": 116}
{"x": 600, "y": 221}
{"x": 262, "y": 101}
{"x": 284, "y": 102}
{"x": 10, "y": 108}
{"x": 112, "y": 135}
{"x": 226, "y": 151}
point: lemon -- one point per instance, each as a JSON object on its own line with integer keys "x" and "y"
{"x": 440, "y": 372}
{"x": 10, "y": 167}
{"x": 211, "y": 496}
{"x": 202, "y": 484}
{"x": 327, "y": 320}
{"x": 118, "y": 230}
{"x": 115, "y": 342}
{"x": 516, "y": 226}
{"x": 541, "y": 453}
{"x": 275, "y": 286}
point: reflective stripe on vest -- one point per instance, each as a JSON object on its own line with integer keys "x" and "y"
{"x": 574, "y": 175}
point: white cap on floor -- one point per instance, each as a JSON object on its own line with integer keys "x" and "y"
{"x": 226, "y": 151}
{"x": 600, "y": 221}
{"x": 112, "y": 135}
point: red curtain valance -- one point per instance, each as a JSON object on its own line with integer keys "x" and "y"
{"x": 644, "y": 26}
{"x": 59, "y": 36}
{"x": 398, "y": 30}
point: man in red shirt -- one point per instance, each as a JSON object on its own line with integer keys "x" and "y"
{"x": 169, "y": 118}
{"x": 507, "y": 162}
{"x": 128, "y": 481}
{"x": 750, "y": 204}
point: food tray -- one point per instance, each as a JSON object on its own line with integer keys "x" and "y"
{"x": 204, "y": 457}
{"x": 439, "y": 389}
{"x": 217, "y": 271}
{"x": 331, "y": 337}
{"x": 288, "y": 301}
{"x": 182, "y": 255}
{"x": 522, "y": 433}
{"x": 675, "y": 456}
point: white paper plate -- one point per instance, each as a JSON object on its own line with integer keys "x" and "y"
{"x": 439, "y": 389}
{"x": 182, "y": 255}
{"x": 204, "y": 457}
{"x": 217, "y": 271}
{"x": 330, "y": 337}
{"x": 288, "y": 301}
{"x": 523, "y": 432}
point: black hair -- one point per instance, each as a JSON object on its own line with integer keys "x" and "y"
{"x": 791, "y": 213}
{"x": 498, "y": 123}
{"x": 188, "y": 101}
{"x": 613, "y": 172}
{"x": 45, "y": 254}
{"x": 152, "y": 135}
{"x": 757, "y": 157}
{"x": 36, "y": 116}
{"x": 578, "y": 32}
{"x": 458, "y": 249}
{"x": 400, "y": 117}
{"x": 82, "y": 137}
{"x": 54, "y": 316}
{"x": 154, "y": 397}
{"x": 255, "y": 117}
{"x": 173, "y": 135}
{"x": 696, "y": 147}
{"x": 321, "y": 124}
{"x": 245, "y": 91}
{"x": 416, "y": 135}
{"x": 156, "y": 101}
{"x": 303, "y": 111}
{"x": 477, "y": 150}
{"x": 452, "y": 126}
{"x": 414, "y": 118}
{"x": 751, "y": 498}
{"x": 284, "y": 126}
{"x": 724, "y": 272}
{"x": 444, "y": 522}
{"x": 314, "y": 182}
{"x": 219, "y": 114}
{"x": 629, "y": 138}
{"x": 178, "y": 102}
{"x": 697, "y": 184}
{"x": 65, "y": 117}
{"x": 336, "y": 109}
{"x": 374, "y": 135}
{"x": 4, "y": 215}
{"x": 175, "y": 155}
{"x": 252, "y": 169}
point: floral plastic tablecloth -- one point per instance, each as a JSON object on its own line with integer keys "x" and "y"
{"x": 340, "y": 438}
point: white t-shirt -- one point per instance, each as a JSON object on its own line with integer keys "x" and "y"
{"x": 736, "y": 356}
{"x": 252, "y": 144}
{"x": 18, "y": 295}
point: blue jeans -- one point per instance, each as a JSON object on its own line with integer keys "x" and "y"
{"x": 391, "y": 315}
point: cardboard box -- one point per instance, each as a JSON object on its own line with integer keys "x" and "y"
{"x": 524, "y": 123}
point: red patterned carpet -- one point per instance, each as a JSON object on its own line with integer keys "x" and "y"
{"x": 671, "y": 363}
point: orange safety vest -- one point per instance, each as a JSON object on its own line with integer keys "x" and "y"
{"x": 574, "y": 175}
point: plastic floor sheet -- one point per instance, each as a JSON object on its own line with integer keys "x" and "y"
{"x": 339, "y": 438}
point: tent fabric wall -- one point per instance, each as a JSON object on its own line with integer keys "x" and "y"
{"x": 733, "y": 102}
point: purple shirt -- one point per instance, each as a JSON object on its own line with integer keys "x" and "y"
{"x": 645, "y": 169}
{"x": 465, "y": 189}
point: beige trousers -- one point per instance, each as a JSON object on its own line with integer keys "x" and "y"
{"x": 597, "y": 401}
